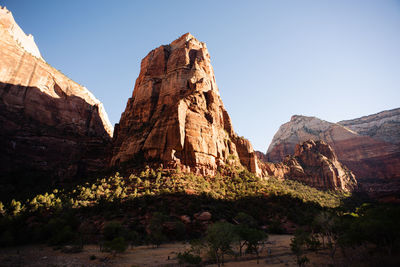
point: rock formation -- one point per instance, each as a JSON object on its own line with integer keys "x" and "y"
{"x": 48, "y": 123}
{"x": 175, "y": 115}
{"x": 24, "y": 41}
{"x": 366, "y": 156}
{"x": 261, "y": 156}
{"x": 314, "y": 163}
{"x": 384, "y": 126}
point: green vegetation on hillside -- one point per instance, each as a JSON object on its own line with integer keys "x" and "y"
{"x": 156, "y": 206}
{"x": 169, "y": 192}
{"x": 157, "y": 182}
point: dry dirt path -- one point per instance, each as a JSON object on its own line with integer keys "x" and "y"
{"x": 145, "y": 256}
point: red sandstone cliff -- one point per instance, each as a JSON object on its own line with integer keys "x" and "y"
{"x": 176, "y": 116}
{"x": 313, "y": 163}
{"x": 367, "y": 156}
{"x": 48, "y": 123}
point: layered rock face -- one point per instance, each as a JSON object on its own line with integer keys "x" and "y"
{"x": 314, "y": 163}
{"x": 48, "y": 123}
{"x": 176, "y": 116}
{"x": 367, "y": 156}
{"x": 384, "y": 126}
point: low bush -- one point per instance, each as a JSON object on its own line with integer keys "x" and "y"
{"x": 188, "y": 258}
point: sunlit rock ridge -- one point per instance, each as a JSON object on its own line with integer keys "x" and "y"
{"x": 176, "y": 116}
{"x": 26, "y": 42}
{"x": 383, "y": 126}
{"x": 368, "y": 146}
{"x": 314, "y": 163}
{"x": 48, "y": 123}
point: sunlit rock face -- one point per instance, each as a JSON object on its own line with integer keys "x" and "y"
{"x": 24, "y": 41}
{"x": 368, "y": 146}
{"x": 384, "y": 126}
{"x": 176, "y": 116}
{"x": 48, "y": 123}
{"x": 314, "y": 163}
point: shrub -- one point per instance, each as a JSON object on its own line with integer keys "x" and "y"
{"x": 63, "y": 236}
{"x": 2, "y": 209}
{"x": 188, "y": 258}
{"x": 113, "y": 230}
{"x": 117, "y": 245}
{"x": 245, "y": 219}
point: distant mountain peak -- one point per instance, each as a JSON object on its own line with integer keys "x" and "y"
{"x": 367, "y": 145}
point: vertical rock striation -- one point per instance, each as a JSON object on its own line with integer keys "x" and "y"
{"x": 368, "y": 146}
{"x": 48, "y": 123}
{"x": 314, "y": 163}
{"x": 176, "y": 116}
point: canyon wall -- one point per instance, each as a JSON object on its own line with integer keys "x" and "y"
{"x": 384, "y": 126}
{"x": 49, "y": 124}
{"x": 313, "y": 163}
{"x": 368, "y": 146}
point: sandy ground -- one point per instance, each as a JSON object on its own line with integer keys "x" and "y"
{"x": 165, "y": 255}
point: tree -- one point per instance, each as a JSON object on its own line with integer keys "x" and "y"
{"x": 156, "y": 235}
{"x": 241, "y": 232}
{"x": 219, "y": 239}
{"x": 297, "y": 245}
{"x": 16, "y": 207}
{"x": 253, "y": 238}
{"x": 114, "y": 237}
{"x": 245, "y": 223}
{"x": 380, "y": 226}
{"x": 2, "y": 209}
{"x": 327, "y": 224}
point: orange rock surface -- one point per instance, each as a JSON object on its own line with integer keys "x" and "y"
{"x": 366, "y": 156}
{"x": 314, "y": 163}
{"x": 176, "y": 116}
{"x": 48, "y": 122}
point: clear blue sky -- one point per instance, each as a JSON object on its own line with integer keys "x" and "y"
{"x": 331, "y": 59}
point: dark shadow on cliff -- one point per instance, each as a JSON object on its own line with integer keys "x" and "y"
{"x": 42, "y": 145}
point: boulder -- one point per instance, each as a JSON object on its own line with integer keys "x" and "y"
{"x": 185, "y": 219}
{"x": 203, "y": 216}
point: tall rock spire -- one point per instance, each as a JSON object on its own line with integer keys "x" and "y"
{"x": 176, "y": 115}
